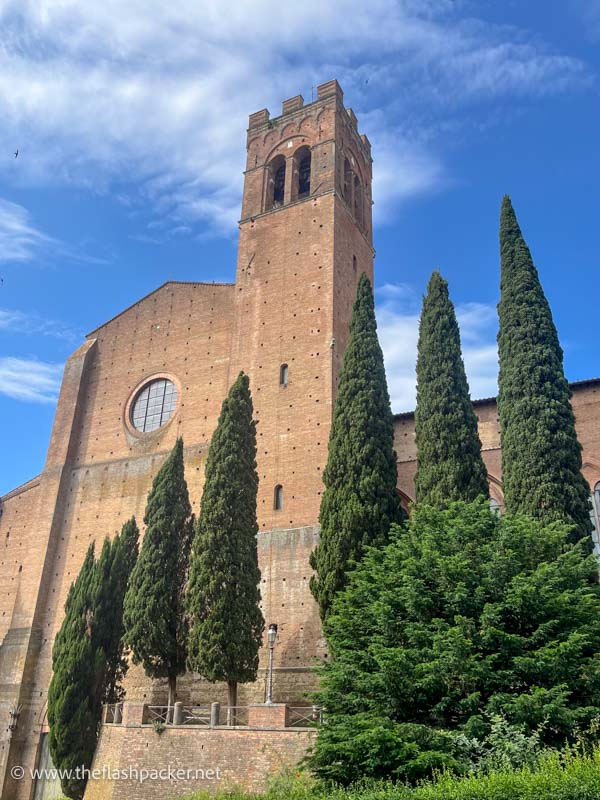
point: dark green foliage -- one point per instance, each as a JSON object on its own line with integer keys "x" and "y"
{"x": 360, "y": 500}
{"x": 541, "y": 457}
{"x": 87, "y": 657}
{"x": 154, "y": 619}
{"x": 73, "y": 695}
{"x": 115, "y": 564}
{"x": 223, "y": 594}
{"x": 463, "y": 616}
{"x": 449, "y": 463}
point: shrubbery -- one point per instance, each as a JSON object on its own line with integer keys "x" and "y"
{"x": 462, "y": 619}
{"x": 572, "y": 776}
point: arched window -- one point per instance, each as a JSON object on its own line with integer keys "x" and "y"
{"x": 347, "y": 181}
{"x": 495, "y": 507}
{"x": 278, "y": 498}
{"x": 283, "y": 375}
{"x": 277, "y": 179}
{"x": 354, "y": 263}
{"x": 302, "y": 158}
{"x": 358, "y": 201}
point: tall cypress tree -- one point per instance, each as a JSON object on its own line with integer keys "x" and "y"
{"x": 73, "y": 695}
{"x": 115, "y": 565}
{"x": 154, "y": 620}
{"x": 223, "y": 595}
{"x": 449, "y": 463}
{"x": 360, "y": 500}
{"x": 541, "y": 456}
{"x": 87, "y": 657}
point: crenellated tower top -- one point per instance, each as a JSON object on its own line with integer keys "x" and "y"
{"x": 308, "y": 151}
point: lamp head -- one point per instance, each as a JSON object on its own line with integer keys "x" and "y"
{"x": 272, "y": 633}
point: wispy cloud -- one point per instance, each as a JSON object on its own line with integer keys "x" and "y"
{"x": 156, "y": 94}
{"x": 13, "y": 321}
{"x": 20, "y": 240}
{"x": 30, "y": 380}
{"x": 398, "y": 311}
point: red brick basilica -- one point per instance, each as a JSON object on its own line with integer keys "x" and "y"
{"x": 161, "y": 369}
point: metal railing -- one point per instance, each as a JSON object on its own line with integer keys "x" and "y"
{"x": 304, "y": 716}
{"x": 211, "y": 716}
{"x": 157, "y": 714}
{"x": 233, "y": 716}
{"x": 113, "y": 713}
{"x": 196, "y": 715}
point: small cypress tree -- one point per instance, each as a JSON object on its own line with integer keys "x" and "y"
{"x": 541, "y": 456}
{"x": 115, "y": 565}
{"x": 154, "y": 619}
{"x": 223, "y": 595}
{"x": 73, "y": 704}
{"x": 449, "y": 463}
{"x": 360, "y": 500}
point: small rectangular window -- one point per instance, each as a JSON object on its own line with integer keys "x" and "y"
{"x": 283, "y": 375}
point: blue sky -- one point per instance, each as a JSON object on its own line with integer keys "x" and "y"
{"x": 130, "y": 123}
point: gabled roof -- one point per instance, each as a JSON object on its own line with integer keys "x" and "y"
{"x": 153, "y": 292}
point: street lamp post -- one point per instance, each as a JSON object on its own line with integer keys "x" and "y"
{"x": 271, "y": 636}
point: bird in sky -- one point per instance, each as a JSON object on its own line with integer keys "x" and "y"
{"x": 16, "y": 152}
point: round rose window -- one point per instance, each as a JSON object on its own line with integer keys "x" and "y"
{"x": 154, "y": 405}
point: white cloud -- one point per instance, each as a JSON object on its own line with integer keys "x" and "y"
{"x": 29, "y": 379}
{"x": 157, "y": 94}
{"x": 398, "y": 310}
{"x": 19, "y": 322}
{"x": 20, "y": 240}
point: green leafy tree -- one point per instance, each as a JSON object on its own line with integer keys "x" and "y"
{"x": 360, "y": 500}
{"x": 449, "y": 463}
{"x": 154, "y": 620}
{"x": 74, "y": 691}
{"x": 541, "y": 456}
{"x": 115, "y": 564}
{"x": 223, "y": 595}
{"x": 463, "y": 618}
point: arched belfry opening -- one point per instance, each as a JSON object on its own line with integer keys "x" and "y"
{"x": 276, "y": 182}
{"x": 347, "y": 190}
{"x": 302, "y": 159}
{"x": 358, "y": 201}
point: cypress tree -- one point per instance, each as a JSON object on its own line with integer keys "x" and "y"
{"x": 87, "y": 657}
{"x": 115, "y": 564}
{"x": 223, "y": 595}
{"x": 541, "y": 456}
{"x": 154, "y": 619}
{"x": 360, "y": 500}
{"x": 73, "y": 695}
{"x": 449, "y": 463}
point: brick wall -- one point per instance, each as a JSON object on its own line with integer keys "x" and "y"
{"x": 245, "y": 758}
{"x": 586, "y": 406}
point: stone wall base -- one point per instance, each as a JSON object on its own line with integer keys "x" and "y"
{"x": 135, "y": 762}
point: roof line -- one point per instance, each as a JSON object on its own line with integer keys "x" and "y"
{"x": 30, "y": 484}
{"x": 483, "y": 400}
{"x": 154, "y": 291}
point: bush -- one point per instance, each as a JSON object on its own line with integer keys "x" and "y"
{"x": 572, "y": 776}
{"x": 462, "y": 619}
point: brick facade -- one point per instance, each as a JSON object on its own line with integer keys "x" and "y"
{"x": 301, "y": 252}
{"x": 243, "y": 757}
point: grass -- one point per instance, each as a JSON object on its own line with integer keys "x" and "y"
{"x": 570, "y": 776}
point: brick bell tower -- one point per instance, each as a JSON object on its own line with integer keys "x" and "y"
{"x": 305, "y": 238}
